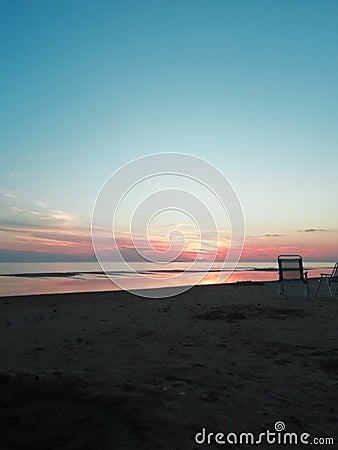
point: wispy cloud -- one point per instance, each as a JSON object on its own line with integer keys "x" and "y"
{"x": 24, "y": 211}
{"x": 187, "y": 246}
{"x": 16, "y": 208}
{"x": 28, "y": 225}
{"x": 312, "y": 230}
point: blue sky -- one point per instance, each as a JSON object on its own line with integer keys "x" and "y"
{"x": 250, "y": 86}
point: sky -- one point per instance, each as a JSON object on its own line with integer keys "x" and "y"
{"x": 86, "y": 87}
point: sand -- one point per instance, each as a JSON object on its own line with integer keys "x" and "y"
{"x": 109, "y": 370}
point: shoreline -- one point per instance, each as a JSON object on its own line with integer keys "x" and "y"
{"x": 228, "y": 358}
{"x": 116, "y": 289}
{"x": 95, "y": 272}
{"x": 127, "y": 294}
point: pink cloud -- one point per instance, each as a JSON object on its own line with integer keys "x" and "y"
{"x": 59, "y": 233}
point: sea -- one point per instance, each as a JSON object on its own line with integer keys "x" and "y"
{"x": 44, "y": 278}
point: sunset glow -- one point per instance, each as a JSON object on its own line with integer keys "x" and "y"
{"x": 74, "y": 240}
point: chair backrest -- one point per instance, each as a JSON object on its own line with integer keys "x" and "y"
{"x": 334, "y": 274}
{"x": 290, "y": 267}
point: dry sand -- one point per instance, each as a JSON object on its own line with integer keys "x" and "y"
{"x": 114, "y": 371}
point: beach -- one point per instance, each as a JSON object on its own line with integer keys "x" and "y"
{"x": 109, "y": 370}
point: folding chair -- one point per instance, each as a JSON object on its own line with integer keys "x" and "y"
{"x": 330, "y": 279}
{"x": 290, "y": 269}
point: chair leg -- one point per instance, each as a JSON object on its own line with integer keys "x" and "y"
{"x": 307, "y": 290}
{"x": 318, "y": 287}
{"x": 329, "y": 287}
{"x": 280, "y": 289}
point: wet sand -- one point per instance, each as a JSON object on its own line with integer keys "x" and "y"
{"x": 109, "y": 370}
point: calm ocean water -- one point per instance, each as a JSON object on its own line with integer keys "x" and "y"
{"x": 42, "y": 278}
